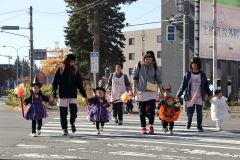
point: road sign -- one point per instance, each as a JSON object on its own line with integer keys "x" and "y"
{"x": 94, "y": 60}
{"x": 39, "y": 54}
{"x": 10, "y": 27}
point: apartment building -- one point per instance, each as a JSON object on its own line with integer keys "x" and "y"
{"x": 137, "y": 43}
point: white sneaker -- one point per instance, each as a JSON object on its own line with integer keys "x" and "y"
{"x": 219, "y": 129}
{"x": 33, "y": 134}
{"x": 165, "y": 130}
{"x": 101, "y": 129}
{"x": 98, "y": 131}
{"x": 171, "y": 132}
{"x": 38, "y": 132}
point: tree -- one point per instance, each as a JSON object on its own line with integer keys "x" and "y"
{"x": 79, "y": 32}
{"x": 52, "y": 63}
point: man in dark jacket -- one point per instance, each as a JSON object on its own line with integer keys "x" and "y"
{"x": 195, "y": 86}
{"x": 67, "y": 80}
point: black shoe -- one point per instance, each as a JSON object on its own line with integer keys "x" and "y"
{"x": 200, "y": 129}
{"x": 65, "y": 132}
{"x": 120, "y": 123}
{"x": 188, "y": 125}
{"x": 116, "y": 120}
{"x": 73, "y": 127}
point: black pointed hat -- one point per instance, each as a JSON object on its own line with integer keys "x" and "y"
{"x": 71, "y": 57}
{"x": 100, "y": 89}
{"x": 36, "y": 82}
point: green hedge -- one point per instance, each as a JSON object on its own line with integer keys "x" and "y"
{"x": 14, "y": 101}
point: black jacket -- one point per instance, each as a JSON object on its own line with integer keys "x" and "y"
{"x": 42, "y": 97}
{"x": 68, "y": 83}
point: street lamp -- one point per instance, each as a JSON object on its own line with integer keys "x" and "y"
{"x": 16, "y": 49}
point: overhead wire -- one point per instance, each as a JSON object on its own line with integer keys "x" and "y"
{"x": 146, "y": 13}
{"x": 4, "y": 13}
{"x": 7, "y": 19}
{"x": 79, "y": 10}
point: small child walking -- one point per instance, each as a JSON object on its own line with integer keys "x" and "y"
{"x": 219, "y": 109}
{"x": 37, "y": 110}
{"x": 97, "y": 111}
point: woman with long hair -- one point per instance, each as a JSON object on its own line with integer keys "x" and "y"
{"x": 147, "y": 79}
{"x": 67, "y": 80}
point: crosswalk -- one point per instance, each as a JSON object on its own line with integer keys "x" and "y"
{"x": 131, "y": 128}
{"x": 127, "y": 140}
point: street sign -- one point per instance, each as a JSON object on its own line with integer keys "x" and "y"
{"x": 94, "y": 60}
{"x": 39, "y": 54}
{"x": 10, "y": 27}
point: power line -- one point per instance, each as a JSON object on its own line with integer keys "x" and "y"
{"x": 140, "y": 24}
{"x": 79, "y": 10}
{"x": 3, "y": 13}
{"x": 146, "y": 13}
{"x": 91, "y": 6}
{"x": 7, "y": 19}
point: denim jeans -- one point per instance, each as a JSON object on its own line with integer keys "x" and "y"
{"x": 190, "y": 111}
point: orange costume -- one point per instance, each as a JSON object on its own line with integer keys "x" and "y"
{"x": 169, "y": 110}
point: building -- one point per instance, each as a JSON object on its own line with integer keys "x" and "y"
{"x": 172, "y": 54}
{"x": 137, "y": 43}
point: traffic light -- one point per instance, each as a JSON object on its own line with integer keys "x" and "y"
{"x": 171, "y": 33}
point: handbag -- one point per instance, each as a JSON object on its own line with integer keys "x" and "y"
{"x": 151, "y": 87}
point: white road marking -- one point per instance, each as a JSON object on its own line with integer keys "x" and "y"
{"x": 31, "y": 146}
{"x": 45, "y": 156}
{"x": 171, "y": 150}
{"x": 72, "y": 141}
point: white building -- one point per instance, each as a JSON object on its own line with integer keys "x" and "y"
{"x": 137, "y": 43}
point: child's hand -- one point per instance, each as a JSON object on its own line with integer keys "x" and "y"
{"x": 36, "y": 96}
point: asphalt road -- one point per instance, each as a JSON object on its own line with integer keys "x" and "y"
{"x": 116, "y": 142}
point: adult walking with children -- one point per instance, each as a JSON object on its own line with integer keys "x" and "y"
{"x": 146, "y": 80}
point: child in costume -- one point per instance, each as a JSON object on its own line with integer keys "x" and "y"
{"x": 37, "y": 110}
{"x": 129, "y": 106}
{"x": 169, "y": 110}
{"x": 219, "y": 109}
{"x": 97, "y": 111}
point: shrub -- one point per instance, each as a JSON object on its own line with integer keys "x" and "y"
{"x": 14, "y": 101}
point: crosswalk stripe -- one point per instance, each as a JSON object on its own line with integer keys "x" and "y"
{"x": 130, "y": 130}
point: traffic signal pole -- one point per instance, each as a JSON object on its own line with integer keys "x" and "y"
{"x": 196, "y": 28}
{"x": 31, "y": 46}
{"x": 186, "y": 37}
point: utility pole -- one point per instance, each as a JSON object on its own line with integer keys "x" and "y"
{"x": 196, "y": 28}
{"x": 31, "y": 45}
{"x": 214, "y": 45}
{"x": 96, "y": 39}
{"x": 186, "y": 37}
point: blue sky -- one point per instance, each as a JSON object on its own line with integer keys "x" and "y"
{"x": 48, "y": 28}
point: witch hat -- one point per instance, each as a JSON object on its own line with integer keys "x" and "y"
{"x": 36, "y": 82}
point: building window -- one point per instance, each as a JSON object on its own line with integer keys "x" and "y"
{"x": 131, "y": 56}
{"x": 131, "y": 41}
{"x": 130, "y": 71}
{"x": 159, "y": 54}
{"x": 158, "y": 39}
